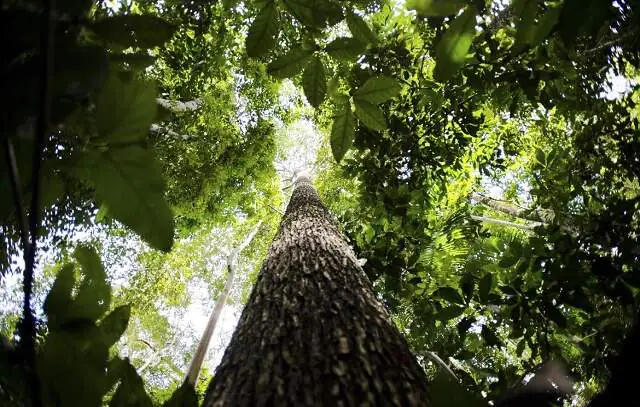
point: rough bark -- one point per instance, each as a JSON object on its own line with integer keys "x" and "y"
{"x": 313, "y": 332}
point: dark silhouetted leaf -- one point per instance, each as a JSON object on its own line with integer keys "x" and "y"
{"x": 289, "y": 64}
{"x": 314, "y": 82}
{"x": 342, "y": 130}
{"x": 132, "y": 30}
{"x": 378, "y": 89}
{"x": 263, "y": 32}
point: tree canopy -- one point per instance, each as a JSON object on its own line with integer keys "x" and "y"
{"x": 481, "y": 156}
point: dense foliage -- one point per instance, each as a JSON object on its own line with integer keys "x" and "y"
{"x": 482, "y": 156}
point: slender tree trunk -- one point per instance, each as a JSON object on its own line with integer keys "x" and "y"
{"x": 313, "y": 332}
{"x": 194, "y": 368}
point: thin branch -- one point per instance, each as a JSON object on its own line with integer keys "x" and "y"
{"x": 275, "y": 210}
{"x": 14, "y": 178}
{"x": 194, "y": 368}
{"x": 527, "y": 227}
{"x": 435, "y": 358}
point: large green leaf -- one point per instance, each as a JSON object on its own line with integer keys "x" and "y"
{"x": 183, "y": 396}
{"x": 484, "y": 288}
{"x": 436, "y": 8}
{"x": 446, "y": 391}
{"x": 378, "y": 89}
{"x": 526, "y": 25}
{"x": 314, "y": 13}
{"x": 114, "y": 324}
{"x": 342, "y": 130}
{"x": 289, "y": 64}
{"x": 263, "y": 32}
{"x": 449, "y": 312}
{"x": 129, "y": 182}
{"x": 94, "y": 293}
{"x": 137, "y": 61}
{"x": 59, "y": 299}
{"x": 451, "y": 51}
{"x": 125, "y": 109}
{"x": 314, "y": 82}
{"x": 546, "y": 24}
{"x": 345, "y": 48}
{"x": 370, "y": 114}
{"x": 360, "y": 29}
{"x": 130, "y": 392}
{"x": 133, "y": 30}
{"x": 449, "y": 294}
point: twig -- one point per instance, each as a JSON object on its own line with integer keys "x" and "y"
{"x": 14, "y": 178}
{"x": 275, "y": 209}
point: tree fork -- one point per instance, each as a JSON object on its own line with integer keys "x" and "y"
{"x": 313, "y": 332}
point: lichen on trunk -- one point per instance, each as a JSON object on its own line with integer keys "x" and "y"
{"x": 313, "y": 332}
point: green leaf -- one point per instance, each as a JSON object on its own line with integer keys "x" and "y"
{"x": 484, "y": 288}
{"x": 436, "y": 8}
{"x": 263, "y": 32}
{"x": 58, "y": 301}
{"x": 489, "y": 336}
{"x": 130, "y": 30}
{"x": 345, "y": 48}
{"x": 452, "y": 50}
{"x": 371, "y": 115}
{"x": 289, "y": 64}
{"x": 94, "y": 294}
{"x": 342, "y": 131}
{"x": 129, "y": 182}
{"x": 184, "y": 396}
{"x": 526, "y": 26}
{"x": 125, "y": 109}
{"x": 546, "y": 24}
{"x": 445, "y": 391}
{"x": 467, "y": 284}
{"x": 540, "y": 156}
{"x": 378, "y": 89}
{"x": 114, "y": 324}
{"x": 314, "y": 13}
{"x": 314, "y": 82}
{"x": 450, "y": 312}
{"x": 130, "y": 391}
{"x": 449, "y": 294}
{"x": 360, "y": 29}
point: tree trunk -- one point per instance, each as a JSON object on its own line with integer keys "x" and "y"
{"x": 313, "y": 332}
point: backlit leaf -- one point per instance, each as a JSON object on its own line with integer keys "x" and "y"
{"x": 436, "y": 8}
{"x": 452, "y": 50}
{"x": 360, "y": 29}
{"x": 345, "y": 48}
{"x": 314, "y": 82}
{"x": 378, "y": 89}
{"x": 342, "y": 131}
{"x": 289, "y": 64}
{"x": 370, "y": 114}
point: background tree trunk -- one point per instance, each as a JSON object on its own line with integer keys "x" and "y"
{"x": 313, "y": 332}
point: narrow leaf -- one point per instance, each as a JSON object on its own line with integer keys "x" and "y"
{"x": 314, "y": 82}
{"x": 59, "y": 298}
{"x": 289, "y": 64}
{"x": 378, "y": 89}
{"x": 370, "y": 115}
{"x": 436, "y": 8}
{"x": 263, "y": 32}
{"x": 360, "y": 29}
{"x": 451, "y": 51}
{"x": 450, "y": 312}
{"x": 484, "y": 288}
{"x": 342, "y": 131}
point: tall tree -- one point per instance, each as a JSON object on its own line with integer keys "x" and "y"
{"x": 313, "y": 332}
